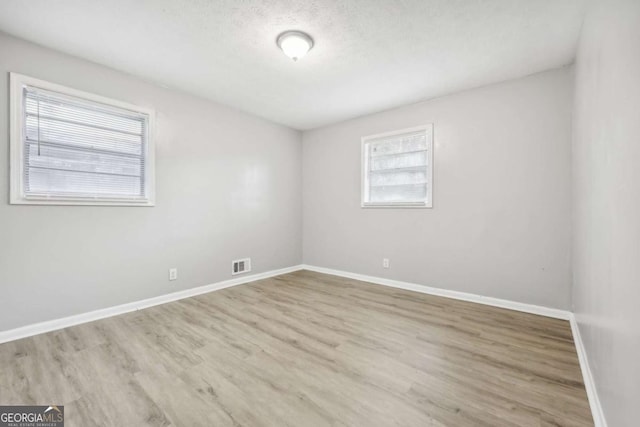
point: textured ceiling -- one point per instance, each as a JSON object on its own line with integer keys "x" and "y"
{"x": 369, "y": 55}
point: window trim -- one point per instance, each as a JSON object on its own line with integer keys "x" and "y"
{"x": 428, "y": 129}
{"x": 16, "y": 153}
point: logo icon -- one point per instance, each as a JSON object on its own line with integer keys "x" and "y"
{"x": 32, "y": 416}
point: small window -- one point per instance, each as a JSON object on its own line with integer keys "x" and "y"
{"x": 397, "y": 168}
{"x": 74, "y": 148}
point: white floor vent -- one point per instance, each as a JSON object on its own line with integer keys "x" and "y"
{"x": 240, "y": 266}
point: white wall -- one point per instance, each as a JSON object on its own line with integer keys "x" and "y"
{"x": 500, "y": 225}
{"x": 228, "y": 186}
{"x": 606, "y": 179}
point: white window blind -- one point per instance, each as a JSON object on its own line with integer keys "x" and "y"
{"x": 77, "y": 149}
{"x": 397, "y": 169}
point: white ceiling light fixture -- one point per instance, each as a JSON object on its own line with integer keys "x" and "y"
{"x": 295, "y": 44}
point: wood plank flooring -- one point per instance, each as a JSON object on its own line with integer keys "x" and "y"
{"x": 305, "y": 349}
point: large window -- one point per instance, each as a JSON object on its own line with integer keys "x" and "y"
{"x": 72, "y": 147}
{"x": 397, "y": 168}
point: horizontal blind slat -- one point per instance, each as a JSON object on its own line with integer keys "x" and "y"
{"x": 378, "y": 156}
{"x": 82, "y": 171}
{"x": 84, "y": 149}
{"x": 94, "y": 125}
{"x": 399, "y": 169}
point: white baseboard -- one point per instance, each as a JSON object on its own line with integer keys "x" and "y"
{"x": 52, "y": 325}
{"x": 464, "y": 296}
{"x": 594, "y": 402}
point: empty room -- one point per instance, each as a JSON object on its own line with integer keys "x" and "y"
{"x": 319, "y": 213}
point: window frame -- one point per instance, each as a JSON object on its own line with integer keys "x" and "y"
{"x": 16, "y": 143}
{"x": 364, "y": 176}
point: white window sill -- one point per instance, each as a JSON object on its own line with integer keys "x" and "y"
{"x": 396, "y": 206}
{"x": 81, "y": 202}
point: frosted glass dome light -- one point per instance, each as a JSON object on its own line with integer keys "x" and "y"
{"x": 295, "y": 44}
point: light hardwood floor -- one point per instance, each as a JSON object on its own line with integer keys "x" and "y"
{"x": 305, "y": 349}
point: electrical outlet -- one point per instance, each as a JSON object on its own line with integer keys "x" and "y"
{"x": 385, "y": 262}
{"x": 173, "y": 274}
